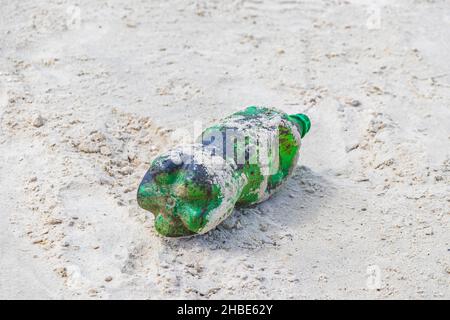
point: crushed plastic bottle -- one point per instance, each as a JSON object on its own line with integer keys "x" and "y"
{"x": 239, "y": 162}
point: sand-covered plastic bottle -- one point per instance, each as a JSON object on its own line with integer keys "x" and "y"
{"x": 240, "y": 161}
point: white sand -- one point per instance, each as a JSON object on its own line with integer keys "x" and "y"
{"x": 89, "y": 93}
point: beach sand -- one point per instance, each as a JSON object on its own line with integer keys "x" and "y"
{"x": 92, "y": 91}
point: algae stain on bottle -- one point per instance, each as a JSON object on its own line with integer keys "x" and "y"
{"x": 238, "y": 162}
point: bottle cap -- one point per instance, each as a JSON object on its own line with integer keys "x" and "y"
{"x": 302, "y": 120}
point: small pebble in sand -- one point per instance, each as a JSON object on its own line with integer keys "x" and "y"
{"x": 38, "y": 121}
{"x": 108, "y": 279}
{"x": 353, "y": 102}
{"x": 92, "y": 292}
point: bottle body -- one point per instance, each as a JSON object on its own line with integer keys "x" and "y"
{"x": 240, "y": 161}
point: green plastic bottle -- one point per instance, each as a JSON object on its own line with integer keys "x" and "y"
{"x": 239, "y": 162}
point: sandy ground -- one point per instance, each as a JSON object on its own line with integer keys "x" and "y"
{"x": 91, "y": 91}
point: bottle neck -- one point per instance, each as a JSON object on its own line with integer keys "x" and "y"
{"x": 302, "y": 121}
